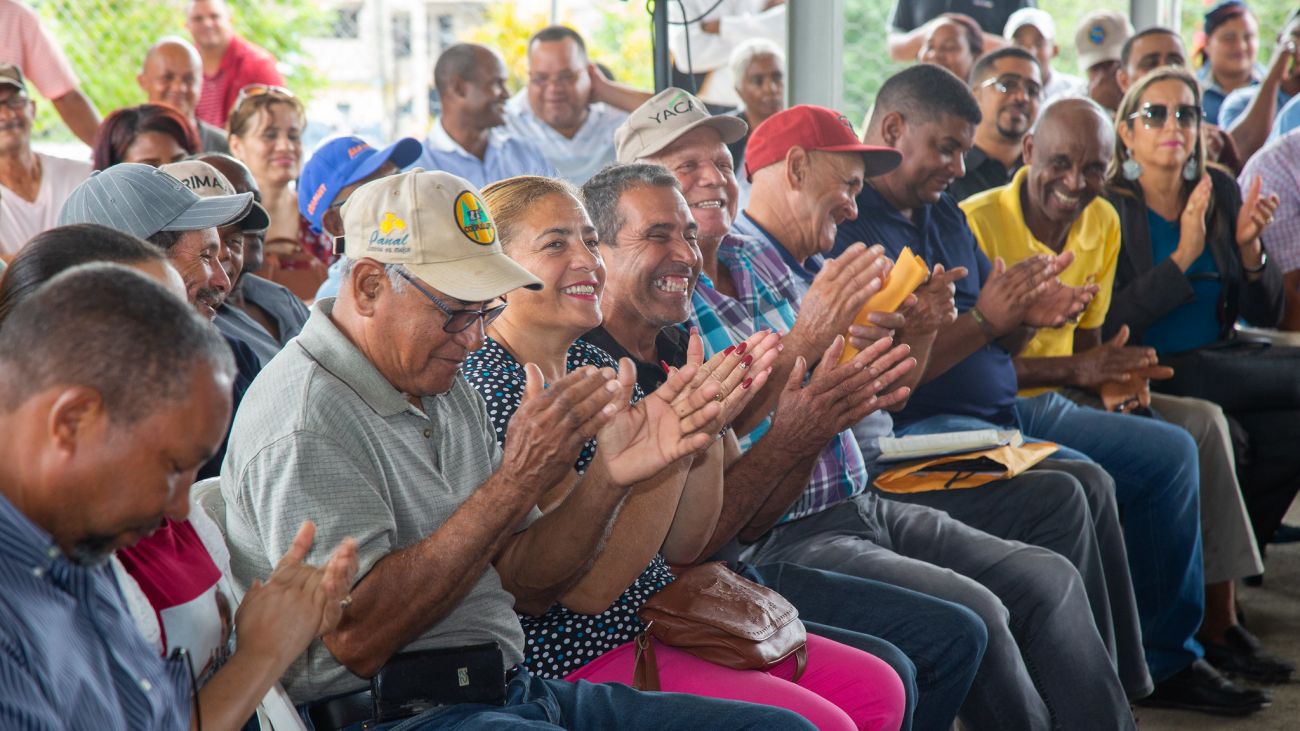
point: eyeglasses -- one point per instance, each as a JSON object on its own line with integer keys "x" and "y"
{"x": 254, "y": 90}
{"x": 1156, "y": 116}
{"x": 457, "y": 320}
{"x": 16, "y": 102}
{"x": 1011, "y": 84}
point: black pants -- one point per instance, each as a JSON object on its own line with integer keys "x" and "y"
{"x": 1258, "y": 386}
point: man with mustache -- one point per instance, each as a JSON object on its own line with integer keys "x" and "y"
{"x": 1008, "y": 86}
{"x": 469, "y": 139}
{"x": 112, "y": 393}
{"x": 33, "y": 185}
{"x": 152, "y": 205}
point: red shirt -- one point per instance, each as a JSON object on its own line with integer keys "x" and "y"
{"x": 242, "y": 64}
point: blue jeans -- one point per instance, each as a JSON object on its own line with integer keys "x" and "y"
{"x": 935, "y": 645}
{"x": 535, "y": 703}
{"x": 1157, "y": 482}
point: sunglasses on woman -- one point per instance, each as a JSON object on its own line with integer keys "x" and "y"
{"x": 1156, "y": 116}
{"x": 457, "y": 320}
{"x": 254, "y": 90}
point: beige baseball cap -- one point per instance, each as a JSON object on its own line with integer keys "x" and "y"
{"x": 436, "y": 225}
{"x": 665, "y": 117}
{"x": 208, "y": 182}
{"x": 1100, "y": 37}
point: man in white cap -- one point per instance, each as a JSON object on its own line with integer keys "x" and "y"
{"x": 1100, "y": 40}
{"x": 1034, "y": 30}
{"x": 365, "y": 423}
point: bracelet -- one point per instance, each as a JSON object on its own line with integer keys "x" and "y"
{"x": 986, "y": 327}
{"x": 1263, "y": 262}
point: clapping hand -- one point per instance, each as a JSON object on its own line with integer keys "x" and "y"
{"x": 742, "y": 370}
{"x": 1134, "y": 391}
{"x": 1256, "y": 213}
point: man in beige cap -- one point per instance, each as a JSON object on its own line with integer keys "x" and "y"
{"x": 365, "y": 423}
{"x": 1099, "y": 40}
{"x": 33, "y": 185}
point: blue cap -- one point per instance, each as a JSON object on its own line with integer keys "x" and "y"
{"x": 340, "y": 162}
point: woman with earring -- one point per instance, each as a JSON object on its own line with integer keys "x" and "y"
{"x": 1190, "y": 266}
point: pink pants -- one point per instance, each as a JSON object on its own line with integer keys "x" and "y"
{"x": 843, "y": 688}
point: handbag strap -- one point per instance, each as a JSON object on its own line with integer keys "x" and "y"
{"x": 646, "y": 673}
{"x": 801, "y": 662}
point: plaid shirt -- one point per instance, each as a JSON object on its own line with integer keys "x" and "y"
{"x": 1279, "y": 165}
{"x": 769, "y": 293}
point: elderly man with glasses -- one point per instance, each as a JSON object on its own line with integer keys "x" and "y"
{"x": 1008, "y": 86}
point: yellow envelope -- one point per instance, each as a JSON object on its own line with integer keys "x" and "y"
{"x": 908, "y": 273}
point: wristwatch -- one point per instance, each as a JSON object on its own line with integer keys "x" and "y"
{"x": 1263, "y": 261}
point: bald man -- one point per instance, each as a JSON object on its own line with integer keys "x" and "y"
{"x": 1052, "y": 206}
{"x": 173, "y": 75}
{"x": 470, "y": 139}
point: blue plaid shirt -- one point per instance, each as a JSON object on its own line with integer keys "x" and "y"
{"x": 70, "y": 654}
{"x": 769, "y": 294}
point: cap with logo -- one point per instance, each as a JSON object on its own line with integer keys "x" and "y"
{"x": 812, "y": 128}
{"x": 11, "y": 75}
{"x": 208, "y": 182}
{"x": 436, "y": 225}
{"x": 1100, "y": 37}
{"x": 142, "y": 200}
{"x": 1035, "y": 17}
{"x": 664, "y": 118}
{"x": 341, "y": 162}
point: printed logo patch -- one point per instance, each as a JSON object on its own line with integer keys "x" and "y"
{"x": 1096, "y": 34}
{"x": 473, "y": 220}
{"x": 391, "y": 223}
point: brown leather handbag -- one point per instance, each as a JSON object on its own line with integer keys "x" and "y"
{"x": 719, "y": 616}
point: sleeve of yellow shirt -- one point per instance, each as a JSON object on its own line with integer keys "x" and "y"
{"x": 1105, "y": 225}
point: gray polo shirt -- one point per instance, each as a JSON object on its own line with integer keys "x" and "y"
{"x": 321, "y": 435}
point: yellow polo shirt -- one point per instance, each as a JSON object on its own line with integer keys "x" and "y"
{"x": 996, "y": 218}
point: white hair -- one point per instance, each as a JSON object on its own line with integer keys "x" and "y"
{"x": 394, "y": 272}
{"x": 745, "y": 53}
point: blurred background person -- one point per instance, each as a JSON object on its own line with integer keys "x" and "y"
{"x": 152, "y": 134}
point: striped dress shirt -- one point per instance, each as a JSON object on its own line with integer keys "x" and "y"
{"x": 70, "y": 655}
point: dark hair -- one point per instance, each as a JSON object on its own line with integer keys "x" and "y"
{"x": 984, "y": 65}
{"x": 165, "y": 240}
{"x": 602, "y": 193}
{"x": 459, "y": 61}
{"x": 57, "y": 250}
{"x": 112, "y": 329}
{"x": 974, "y": 34}
{"x": 553, "y": 33}
{"x": 925, "y": 93}
{"x": 1127, "y": 51}
{"x": 121, "y": 128}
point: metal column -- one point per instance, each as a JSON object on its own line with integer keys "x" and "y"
{"x": 815, "y": 52}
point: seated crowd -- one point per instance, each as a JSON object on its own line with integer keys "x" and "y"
{"x": 465, "y": 414}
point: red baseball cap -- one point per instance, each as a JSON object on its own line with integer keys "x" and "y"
{"x": 812, "y": 128}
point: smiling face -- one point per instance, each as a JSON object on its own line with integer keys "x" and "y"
{"x": 271, "y": 147}
{"x": 559, "y": 88}
{"x": 1232, "y": 48}
{"x": 828, "y": 193}
{"x": 556, "y": 241}
{"x": 1168, "y": 145}
{"x": 932, "y": 158}
{"x": 702, "y": 165}
{"x": 209, "y": 24}
{"x": 1067, "y": 157}
{"x": 15, "y": 123}
{"x": 484, "y": 94}
{"x": 946, "y": 46}
{"x": 1031, "y": 39}
{"x": 1010, "y": 114}
{"x": 196, "y": 257}
{"x": 173, "y": 75}
{"x": 655, "y": 262}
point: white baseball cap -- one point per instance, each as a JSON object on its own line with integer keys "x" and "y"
{"x": 436, "y": 225}
{"x": 1036, "y": 17}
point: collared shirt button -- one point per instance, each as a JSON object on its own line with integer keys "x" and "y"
{"x": 38, "y": 572}
{"x": 145, "y": 685}
{"x": 428, "y": 433}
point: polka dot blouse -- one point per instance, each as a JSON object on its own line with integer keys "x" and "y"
{"x": 561, "y": 641}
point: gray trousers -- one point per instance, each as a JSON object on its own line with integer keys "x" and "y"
{"x": 1227, "y": 540}
{"x": 1048, "y": 514}
{"x": 1046, "y": 666}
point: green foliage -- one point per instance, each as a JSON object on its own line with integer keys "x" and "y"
{"x": 105, "y": 41}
